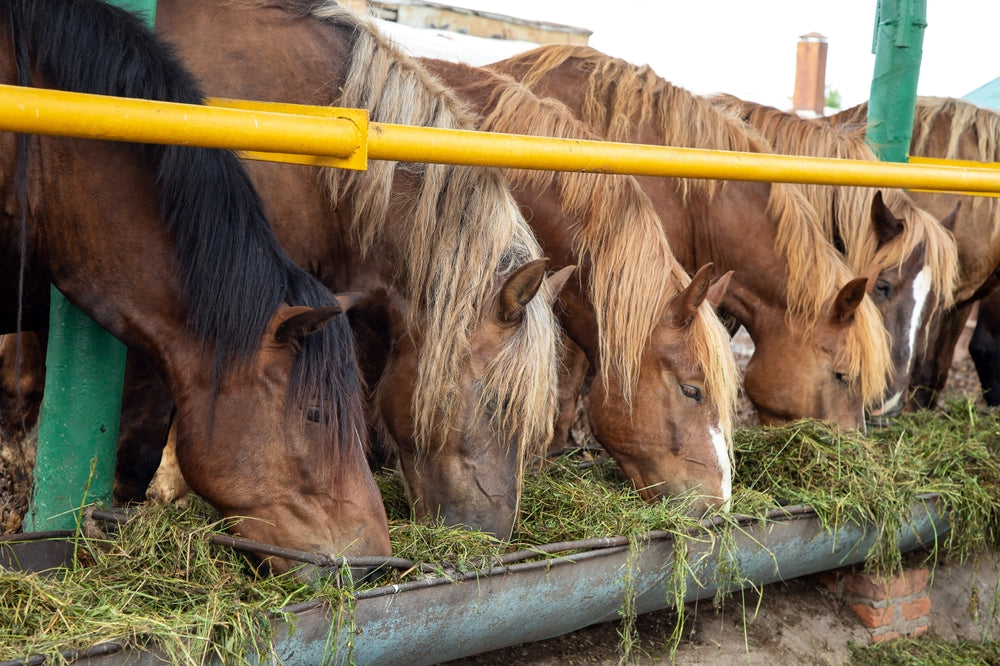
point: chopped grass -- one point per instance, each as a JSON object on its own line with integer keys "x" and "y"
{"x": 873, "y": 481}
{"x": 160, "y": 580}
{"x": 157, "y": 579}
{"x": 926, "y": 651}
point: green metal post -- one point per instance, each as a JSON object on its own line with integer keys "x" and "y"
{"x": 81, "y": 407}
{"x": 898, "y": 46}
{"x": 78, "y": 421}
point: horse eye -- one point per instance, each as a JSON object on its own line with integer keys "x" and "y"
{"x": 883, "y": 289}
{"x": 313, "y": 414}
{"x": 692, "y": 392}
{"x": 841, "y": 377}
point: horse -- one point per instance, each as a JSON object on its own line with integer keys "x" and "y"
{"x": 664, "y": 387}
{"x": 820, "y": 347}
{"x": 169, "y": 249}
{"x": 953, "y": 129}
{"x": 916, "y": 254}
{"x": 458, "y": 334}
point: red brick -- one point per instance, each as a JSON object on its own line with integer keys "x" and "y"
{"x": 919, "y": 607}
{"x": 871, "y": 586}
{"x": 874, "y": 617}
{"x": 881, "y": 638}
{"x": 865, "y": 585}
{"x": 911, "y": 582}
{"x": 919, "y": 631}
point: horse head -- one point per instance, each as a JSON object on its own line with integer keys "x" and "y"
{"x": 911, "y": 292}
{"x": 296, "y": 487}
{"x": 797, "y": 371}
{"x": 672, "y": 440}
{"x": 472, "y": 475}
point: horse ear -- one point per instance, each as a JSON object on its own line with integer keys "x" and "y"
{"x": 949, "y": 220}
{"x": 849, "y": 299}
{"x": 300, "y": 321}
{"x": 684, "y": 306}
{"x": 717, "y": 292}
{"x": 518, "y": 290}
{"x": 887, "y": 226}
{"x": 558, "y": 280}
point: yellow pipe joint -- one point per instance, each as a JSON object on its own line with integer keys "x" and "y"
{"x": 60, "y": 113}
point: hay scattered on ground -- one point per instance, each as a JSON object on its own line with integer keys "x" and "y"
{"x": 926, "y": 651}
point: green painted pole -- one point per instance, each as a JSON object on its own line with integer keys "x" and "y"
{"x": 81, "y": 407}
{"x": 78, "y": 420}
{"x": 898, "y": 47}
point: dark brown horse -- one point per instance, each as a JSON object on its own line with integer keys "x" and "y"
{"x": 461, "y": 352}
{"x": 664, "y": 376}
{"x": 916, "y": 255}
{"x": 169, "y": 249}
{"x": 820, "y": 347}
{"x": 953, "y": 129}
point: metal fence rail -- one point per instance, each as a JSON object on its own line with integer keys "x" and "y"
{"x": 330, "y": 136}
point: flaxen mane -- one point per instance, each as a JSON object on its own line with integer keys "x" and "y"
{"x": 630, "y": 269}
{"x": 963, "y": 119}
{"x": 960, "y": 118}
{"x": 620, "y": 96}
{"x": 845, "y": 210}
{"x": 462, "y": 238}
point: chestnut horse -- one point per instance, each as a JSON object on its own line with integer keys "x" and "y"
{"x": 168, "y": 248}
{"x": 953, "y": 129}
{"x": 917, "y": 256}
{"x": 665, "y": 382}
{"x": 820, "y": 347}
{"x": 462, "y": 353}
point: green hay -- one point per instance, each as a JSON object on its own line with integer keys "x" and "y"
{"x": 157, "y": 580}
{"x": 873, "y": 481}
{"x": 160, "y": 580}
{"x": 926, "y": 651}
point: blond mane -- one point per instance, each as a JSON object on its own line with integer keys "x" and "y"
{"x": 958, "y": 119}
{"x": 845, "y": 211}
{"x": 962, "y": 119}
{"x": 620, "y": 97}
{"x": 630, "y": 269}
{"x": 462, "y": 236}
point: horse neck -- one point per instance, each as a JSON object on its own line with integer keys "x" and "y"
{"x": 701, "y": 223}
{"x": 88, "y": 249}
{"x": 732, "y": 230}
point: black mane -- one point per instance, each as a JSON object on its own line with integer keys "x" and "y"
{"x": 234, "y": 273}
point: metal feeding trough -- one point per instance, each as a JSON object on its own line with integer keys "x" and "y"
{"x": 440, "y": 619}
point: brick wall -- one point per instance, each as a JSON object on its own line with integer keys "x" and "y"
{"x": 889, "y": 608}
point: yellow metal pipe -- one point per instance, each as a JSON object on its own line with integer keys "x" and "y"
{"x": 417, "y": 144}
{"x": 60, "y": 113}
{"x": 283, "y": 129}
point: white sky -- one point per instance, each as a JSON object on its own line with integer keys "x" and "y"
{"x": 747, "y": 47}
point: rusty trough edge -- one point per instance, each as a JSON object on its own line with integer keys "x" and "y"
{"x": 439, "y": 619}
